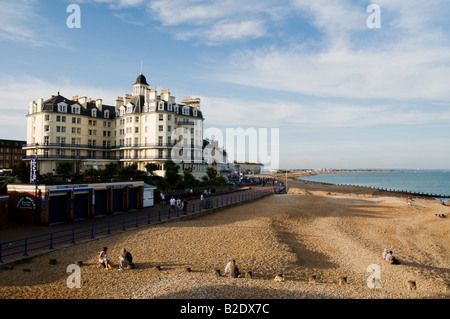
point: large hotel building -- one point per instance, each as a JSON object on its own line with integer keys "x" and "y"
{"x": 139, "y": 128}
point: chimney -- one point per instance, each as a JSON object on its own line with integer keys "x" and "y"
{"x": 83, "y": 101}
{"x": 75, "y": 98}
{"x": 165, "y": 94}
{"x": 127, "y": 99}
{"x": 119, "y": 102}
{"x": 98, "y": 104}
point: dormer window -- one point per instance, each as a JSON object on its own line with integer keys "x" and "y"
{"x": 186, "y": 110}
{"x": 106, "y": 114}
{"x": 169, "y": 106}
{"x": 62, "y": 107}
{"x": 75, "y": 109}
{"x": 129, "y": 108}
{"x": 94, "y": 112}
{"x": 194, "y": 112}
{"x": 177, "y": 109}
{"x": 161, "y": 106}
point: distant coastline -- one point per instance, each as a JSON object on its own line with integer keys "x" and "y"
{"x": 405, "y": 192}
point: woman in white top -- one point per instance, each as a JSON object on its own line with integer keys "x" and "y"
{"x": 104, "y": 259}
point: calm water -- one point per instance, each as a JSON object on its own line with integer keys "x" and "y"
{"x": 436, "y": 182}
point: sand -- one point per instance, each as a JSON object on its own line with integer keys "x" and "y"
{"x": 305, "y": 232}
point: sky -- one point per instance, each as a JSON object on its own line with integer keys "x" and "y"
{"x": 340, "y": 90}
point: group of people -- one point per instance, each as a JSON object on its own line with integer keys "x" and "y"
{"x": 179, "y": 204}
{"x": 389, "y": 258}
{"x": 125, "y": 259}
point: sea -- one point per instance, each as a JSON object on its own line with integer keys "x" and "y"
{"x": 429, "y": 182}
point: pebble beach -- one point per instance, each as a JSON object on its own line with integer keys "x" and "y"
{"x": 329, "y": 232}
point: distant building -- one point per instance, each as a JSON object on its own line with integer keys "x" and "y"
{"x": 137, "y": 129}
{"x": 248, "y": 168}
{"x": 11, "y": 153}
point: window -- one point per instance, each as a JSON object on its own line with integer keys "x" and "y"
{"x": 136, "y": 119}
{"x": 46, "y": 128}
{"x": 47, "y": 117}
{"x": 46, "y": 140}
{"x": 161, "y": 117}
{"x": 136, "y": 130}
{"x": 194, "y": 112}
{"x": 169, "y": 106}
{"x": 94, "y": 112}
{"x": 160, "y": 128}
{"x": 74, "y": 120}
{"x": 169, "y": 128}
{"x": 62, "y": 107}
{"x": 58, "y": 118}
{"x": 161, "y": 105}
{"x": 106, "y": 114}
{"x": 75, "y": 109}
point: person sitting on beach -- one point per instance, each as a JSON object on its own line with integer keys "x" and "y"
{"x": 385, "y": 252}
{"x": 125, "y": 259}
{"x": 390, "y": 259}
{"x": 104, "y": 259}
{"x": 232, "y": 269}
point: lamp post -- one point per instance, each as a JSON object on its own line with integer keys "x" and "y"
{"x": 36, "y": 180}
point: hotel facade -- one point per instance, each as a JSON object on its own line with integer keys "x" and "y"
{"x": 142, "y": 127}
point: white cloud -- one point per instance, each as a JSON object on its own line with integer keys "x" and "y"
{"x": 234, "y": 112}
{"x": 352, "y": 61}
{"x": 215, "y": 21}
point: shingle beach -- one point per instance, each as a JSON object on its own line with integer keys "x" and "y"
{"x": 317, "y": 230}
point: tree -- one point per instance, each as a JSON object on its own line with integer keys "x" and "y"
{"x": 151, "y": 167}
{"x": 91, "y": 173}
{"x": 22, "y": 172}
{"x": 110, "y": 171}
{"x": 211, "y": 172}
{"x": 64, "y": 169}
{"x": 188, "y": 178}
{"x": 171, "y": 174}
{"x": 131, "y": 172}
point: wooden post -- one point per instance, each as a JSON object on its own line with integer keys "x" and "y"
{"x": 342, "y": 280}
{"x": 447, "y": 286}
{"x": 411, "y": 285}
{"x": 312, "y": 278}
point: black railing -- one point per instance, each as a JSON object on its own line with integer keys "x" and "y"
{"x": 21, "y": 248}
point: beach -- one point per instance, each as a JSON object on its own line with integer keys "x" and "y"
{"x": 326, "y": 231}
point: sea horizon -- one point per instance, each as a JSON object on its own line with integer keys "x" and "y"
{"x": 434, "y": 182}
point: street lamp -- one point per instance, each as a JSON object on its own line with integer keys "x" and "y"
{"x": 36, "y": 180}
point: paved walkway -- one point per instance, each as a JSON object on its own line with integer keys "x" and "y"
{"x": 14, "y": 232}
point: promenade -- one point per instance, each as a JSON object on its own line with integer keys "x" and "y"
{"x": 20, "y": 241}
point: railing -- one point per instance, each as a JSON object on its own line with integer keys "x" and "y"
{"x": 21, "y": 248}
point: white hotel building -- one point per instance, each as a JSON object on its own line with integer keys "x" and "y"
{"x": 139, "y": 128}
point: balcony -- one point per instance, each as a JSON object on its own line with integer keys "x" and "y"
{"x": 66, "y": 146}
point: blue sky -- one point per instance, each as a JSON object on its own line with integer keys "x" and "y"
{"x": 342, "y": 95}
